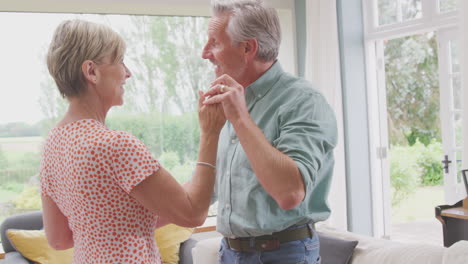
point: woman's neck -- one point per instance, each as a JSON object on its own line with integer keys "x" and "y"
{"x": 85, "y": 107}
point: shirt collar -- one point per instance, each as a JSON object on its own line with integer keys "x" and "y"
{"x": 262, "y": 85}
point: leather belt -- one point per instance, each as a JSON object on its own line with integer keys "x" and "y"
{"x": 269, "y": 242}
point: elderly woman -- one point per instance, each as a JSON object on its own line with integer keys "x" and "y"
{"x": 102, "y": 191}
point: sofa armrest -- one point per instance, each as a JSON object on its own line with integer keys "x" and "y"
{"x": 15, "y": 258}
{"x": 28, "y": 221}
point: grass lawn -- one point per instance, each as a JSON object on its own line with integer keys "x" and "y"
{"x": 11, "y": 145}
{"x": 419, "y": 205}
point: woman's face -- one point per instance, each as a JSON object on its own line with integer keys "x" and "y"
{"x": 110, "y": 81}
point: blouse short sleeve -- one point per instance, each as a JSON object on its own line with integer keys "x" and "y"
{"x": 44, "y": 170}
{"x": 132, "y": 162}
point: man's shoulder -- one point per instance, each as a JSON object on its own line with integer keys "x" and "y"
{"x": 299, "y": 87}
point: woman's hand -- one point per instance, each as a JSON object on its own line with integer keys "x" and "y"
{"x": 210, "y": 117}
{"x": 231, "y": 95}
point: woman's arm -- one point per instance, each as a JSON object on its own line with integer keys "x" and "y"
{"x": 58, "y": 234}
{"x": 182, "y": 205}
{"x": 186, "y": 205}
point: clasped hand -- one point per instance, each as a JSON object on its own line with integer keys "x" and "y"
{"x": 211, "y": 117}
{"x": 231, "y": 95}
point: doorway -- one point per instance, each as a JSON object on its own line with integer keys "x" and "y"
{"x": 420, "y": 95}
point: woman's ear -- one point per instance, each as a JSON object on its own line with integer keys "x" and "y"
{"x": 89, "y": 71}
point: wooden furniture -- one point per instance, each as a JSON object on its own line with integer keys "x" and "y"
{"x": 454, "y": 219}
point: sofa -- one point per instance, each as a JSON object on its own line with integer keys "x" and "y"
{"x": 202, "y": 248}
{"x": 368, "y": 250}
{"x": 33, "y": 221}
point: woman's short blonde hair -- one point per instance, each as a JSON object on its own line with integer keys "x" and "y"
{"x": 74, "y": 42}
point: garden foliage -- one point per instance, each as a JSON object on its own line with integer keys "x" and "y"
{"x": 414, "y": 166}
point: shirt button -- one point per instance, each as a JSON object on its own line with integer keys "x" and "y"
{"x": 227, "y": 206}
{"x": 233, "y": 141}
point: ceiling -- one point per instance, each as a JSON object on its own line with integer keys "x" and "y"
{"x": 149, "y": 7}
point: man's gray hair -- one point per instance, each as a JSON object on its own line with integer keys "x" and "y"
{"x": 251, "y": 19}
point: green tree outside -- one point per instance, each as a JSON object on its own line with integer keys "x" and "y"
{"x": 412, "y": 84}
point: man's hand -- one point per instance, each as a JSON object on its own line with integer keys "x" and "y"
{"x": 230, "y": 94}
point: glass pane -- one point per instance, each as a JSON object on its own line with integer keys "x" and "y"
{"x": 416, "y": 170}
{"x": 457, "y": 92}
{"x": 391, "y": 11}
{"x": 163, "y": 54}
{"x": 459, "y": 166}
{"x": 448, "y": 5}
{"x": 458, "y": 129}
{"x": 412, "y": 86}
{"x": 454, "y": 57}
{"x": 388, "y": 10}
{"x": 411, "y": 9}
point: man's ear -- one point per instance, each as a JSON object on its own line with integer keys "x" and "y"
{"x": 251, "y": 48}
{"x": 89, "y": 71}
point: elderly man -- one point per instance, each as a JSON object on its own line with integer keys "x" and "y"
{"x": 275, "y": 154}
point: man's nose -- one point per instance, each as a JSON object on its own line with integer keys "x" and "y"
{"x": 206, "y": 52}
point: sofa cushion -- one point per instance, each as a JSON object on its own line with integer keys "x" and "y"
{"x": 375, "y": 250}
{"x": 185, "y": 251}
{"x": 206, "y": 251}
{"x": 33, "y": 245}
{"x": 28, "y": 221}
{"x": 335, "y": 250}
{"x": 456, "y": 253}
{"x": 168, "y": 238}
{"x": 15, "y": 257}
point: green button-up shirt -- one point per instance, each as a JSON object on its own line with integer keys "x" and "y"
{"x": 297, "y": 120}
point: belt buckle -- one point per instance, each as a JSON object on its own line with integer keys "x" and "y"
{"x": 268, "y": 245}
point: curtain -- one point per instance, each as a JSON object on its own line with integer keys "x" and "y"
{"x": 323, "y": 70}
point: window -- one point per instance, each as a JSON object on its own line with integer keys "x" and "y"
{"x": 448, "y": 5}
{"x": 391, "y": 11}
{"x": 163, "y": 53}
{"x": 413, "y": 70}
{"x": 451, "y": 109}
{"x": 164, "y": 56}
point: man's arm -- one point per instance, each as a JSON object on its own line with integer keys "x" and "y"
{"x": 276, "y": 172}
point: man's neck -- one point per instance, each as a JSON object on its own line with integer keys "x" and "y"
{"x": 255, "y": 71}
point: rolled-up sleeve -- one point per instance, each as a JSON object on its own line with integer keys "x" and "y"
{"x": 307, "y": 134}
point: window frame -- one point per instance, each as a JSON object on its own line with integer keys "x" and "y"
{"x": 431, "y": 19}
{"x": 374, "y": 35}
{"x": 287, "y": 54}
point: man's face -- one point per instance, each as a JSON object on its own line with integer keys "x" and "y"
{"x": 228, "y": 58}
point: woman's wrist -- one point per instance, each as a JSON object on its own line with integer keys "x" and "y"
{"x": 207, "y": 148}
{"x": 209, "y": 137}
{"x": 206, "y": 164}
